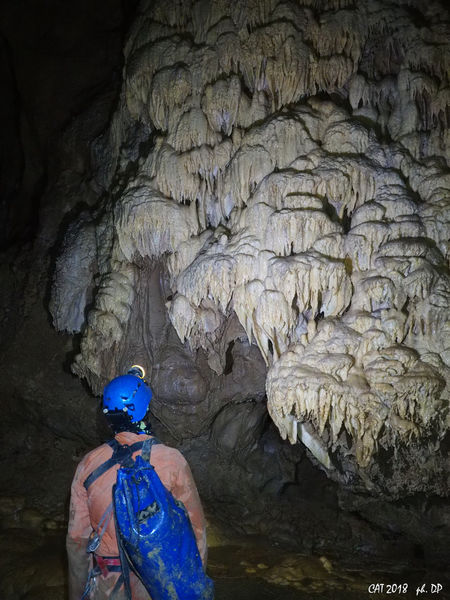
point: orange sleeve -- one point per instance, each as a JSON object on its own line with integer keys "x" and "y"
{"x": 77, "y": 536}
{"x": 185, "y": 490}
{"x": 79, "y": 520}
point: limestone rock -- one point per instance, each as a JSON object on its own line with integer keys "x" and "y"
{"x": 295, "y": 178}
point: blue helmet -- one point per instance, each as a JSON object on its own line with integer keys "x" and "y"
{"x": 128, "y": 393}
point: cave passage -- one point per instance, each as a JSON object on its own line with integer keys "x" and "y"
{"x": 250, "y": 198}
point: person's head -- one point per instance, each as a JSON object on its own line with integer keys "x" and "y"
{"x": 126, "y": 400}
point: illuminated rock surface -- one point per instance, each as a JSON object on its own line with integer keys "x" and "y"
{"x": 293, "y": 190}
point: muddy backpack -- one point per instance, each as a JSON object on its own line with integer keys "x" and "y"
{"x": 154, "y": 533}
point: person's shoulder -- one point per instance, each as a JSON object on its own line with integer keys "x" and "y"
{"x": 98, "y": 450}
{"x": 93, "y": 455}
{"x": 168, "y": 452}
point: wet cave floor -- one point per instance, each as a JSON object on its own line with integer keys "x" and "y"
{"x": 33, "y": 567}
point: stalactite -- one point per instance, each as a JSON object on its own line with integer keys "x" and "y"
{"x": 296, "y": 184}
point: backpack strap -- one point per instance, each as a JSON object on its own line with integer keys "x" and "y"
{"x": 122, "y": 454}
{"x": 147, "y": 448}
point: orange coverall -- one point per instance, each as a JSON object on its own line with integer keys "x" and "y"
{"x": 88, "y": 507}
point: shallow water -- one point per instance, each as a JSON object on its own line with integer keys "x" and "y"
{"x": 258, "y": 570}
{"x": 33, "y": 567}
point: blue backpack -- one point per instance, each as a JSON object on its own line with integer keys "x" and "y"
{"x": 154, "y": 533}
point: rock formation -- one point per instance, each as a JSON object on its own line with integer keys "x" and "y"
{"x": 276, "y": 175}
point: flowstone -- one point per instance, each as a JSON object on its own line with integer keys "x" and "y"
{"x": 284, "y": 167}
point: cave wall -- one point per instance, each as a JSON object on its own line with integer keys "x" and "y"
{"x": 55, "y": 60}
{"x": 60, "y": 68}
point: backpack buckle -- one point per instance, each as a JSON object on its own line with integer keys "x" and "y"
{"x": 123, "y": 455}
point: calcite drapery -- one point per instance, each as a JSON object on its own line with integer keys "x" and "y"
{"x": 297, "y": 177}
